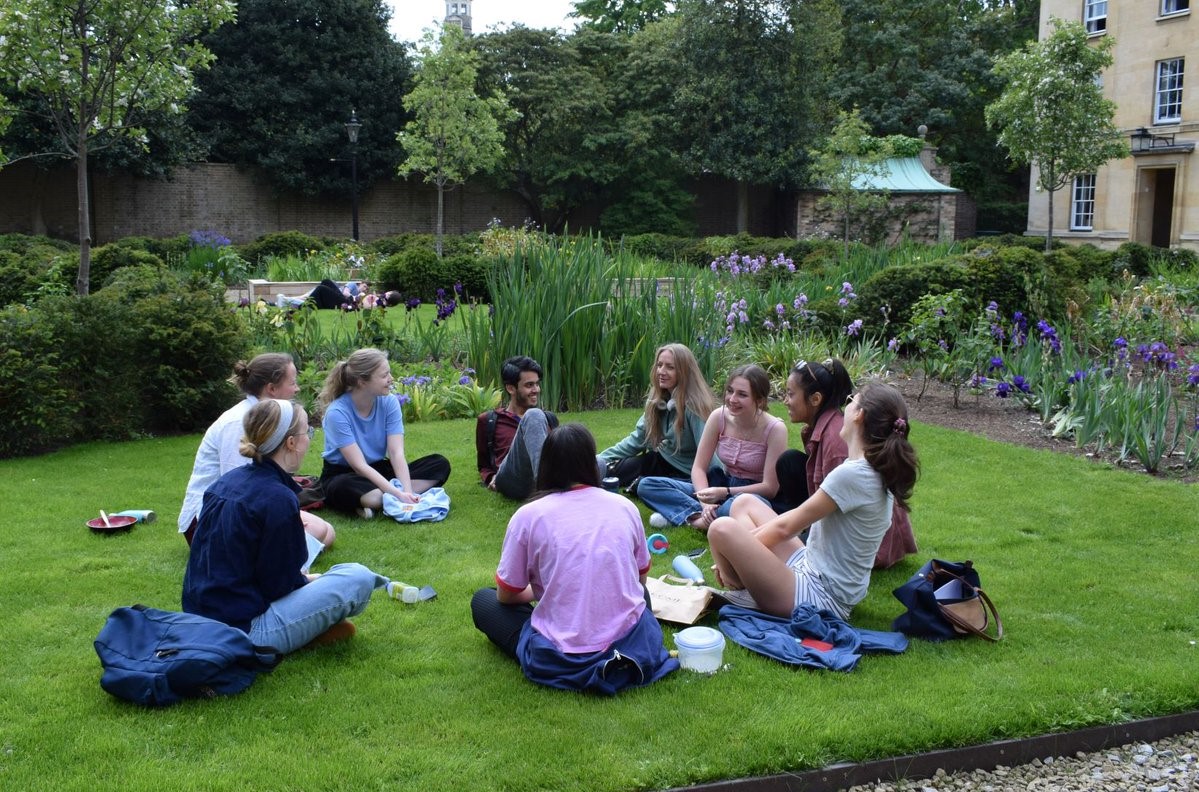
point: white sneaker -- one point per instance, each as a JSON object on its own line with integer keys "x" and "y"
{"x": 656, "y": 520}
{"x": 739, "y": 597}
{"x": 280, "y": 300}
{"x": 366, "y": 513}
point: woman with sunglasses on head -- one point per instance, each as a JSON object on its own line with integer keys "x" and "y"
{"x": 249, "y": 547}
{"x": 814, "y": 397}
{"x": 848, "y": 514}
{"x": 580, "y": 553}
{"x": 743, "y": 439}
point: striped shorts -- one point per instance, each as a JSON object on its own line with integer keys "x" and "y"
{"x": 809, "y": 587}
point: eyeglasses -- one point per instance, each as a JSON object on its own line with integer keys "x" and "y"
{"x": 311, "y": 432}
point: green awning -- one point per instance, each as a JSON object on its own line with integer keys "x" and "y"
{"x": 903, "y": 175}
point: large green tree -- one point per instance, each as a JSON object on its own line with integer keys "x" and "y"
{"x": 930, "y": 62}
{"x": 287, "y": 77}
{"x": 562, "y": 148}
{"x": 1052, "y": 114}
{"x": 97, "y": 68}
{"x": 753, "y": 88}
{"x": 620, "y": 16}
{"x": 454, "y": 132}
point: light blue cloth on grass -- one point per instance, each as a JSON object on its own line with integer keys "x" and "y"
{"x": 433, "y": 506}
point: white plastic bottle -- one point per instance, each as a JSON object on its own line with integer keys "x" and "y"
{"x": 403, "y": 592}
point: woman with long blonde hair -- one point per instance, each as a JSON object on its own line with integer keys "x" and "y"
{"x": 667, "y": 435}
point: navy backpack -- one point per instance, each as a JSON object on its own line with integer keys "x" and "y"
{"x": 156, "y": 657}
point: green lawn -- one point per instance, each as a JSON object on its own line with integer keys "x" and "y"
{"x": 1093, "y": 570}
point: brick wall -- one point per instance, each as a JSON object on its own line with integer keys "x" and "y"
{"x": 232, "y": 202}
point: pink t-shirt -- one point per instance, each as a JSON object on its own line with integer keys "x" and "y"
{"x": 583, "y": 551}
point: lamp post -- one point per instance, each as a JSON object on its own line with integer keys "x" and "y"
{"x": 352, "y": 127}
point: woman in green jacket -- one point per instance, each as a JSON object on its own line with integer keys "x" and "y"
{"x": 664, "y": 441}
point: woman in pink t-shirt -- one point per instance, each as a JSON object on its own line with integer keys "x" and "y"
{"x": 579, "y": 552}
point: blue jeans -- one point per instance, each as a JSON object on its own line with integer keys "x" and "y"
{"x": 294, "y": 620}
{"x": 517, "y": 474}
{"x": 675, "y": 499}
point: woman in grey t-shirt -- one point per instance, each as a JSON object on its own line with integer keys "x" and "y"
{"x": 760, "y": 554}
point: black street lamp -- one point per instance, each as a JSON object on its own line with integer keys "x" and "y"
{"x": 352, "y": 127}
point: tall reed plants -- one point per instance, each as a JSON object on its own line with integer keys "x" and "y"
{"x": 590, "y": 322}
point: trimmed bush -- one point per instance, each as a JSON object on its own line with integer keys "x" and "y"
{"x": 149, "y": 352}
{"x": 107, "y": 259}
{"x": 898, "y": 288}
{"x": 282, "y": 243}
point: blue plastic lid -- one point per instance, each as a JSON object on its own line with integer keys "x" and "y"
{"x": 699, "y": 639}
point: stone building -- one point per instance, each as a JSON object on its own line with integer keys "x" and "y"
{"x": 1151, "y": 197}
{"x": 457, "y": 12}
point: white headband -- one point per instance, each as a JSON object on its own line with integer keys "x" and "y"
{"x": 286, "y": 411}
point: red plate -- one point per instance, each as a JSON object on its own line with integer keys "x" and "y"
{"x": 114, "y": 524}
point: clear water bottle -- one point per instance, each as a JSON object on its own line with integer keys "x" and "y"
{"x": 403, "y": 592}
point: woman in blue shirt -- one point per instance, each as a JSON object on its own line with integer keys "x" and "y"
{"x": 364, "y": 440}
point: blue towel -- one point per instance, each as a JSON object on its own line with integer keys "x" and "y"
{"x": 781, "y": 638}
{"x": 433, "y": 506}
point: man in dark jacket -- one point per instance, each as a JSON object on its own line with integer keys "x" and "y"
{"x": 508, "y": 439}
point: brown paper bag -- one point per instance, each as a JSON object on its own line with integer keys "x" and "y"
{"x": 681, "y": 604}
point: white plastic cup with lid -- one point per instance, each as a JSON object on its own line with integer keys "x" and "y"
{"x": 701, "y": 649}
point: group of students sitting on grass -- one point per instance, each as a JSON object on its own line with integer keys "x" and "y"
{"x": 785, "y": 527}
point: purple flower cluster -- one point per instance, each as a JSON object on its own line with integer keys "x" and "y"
{"x": 738, "y": 264}
{"x": 1193, "y": 375}
{"x": 853, "y": 328}
{"x": 416, "y": 381}
{"x": 847, "y": 294}
{"x": 208, "y": 239}
{"x": 1049, "y": 334}
{"x": 1158, "y": 355}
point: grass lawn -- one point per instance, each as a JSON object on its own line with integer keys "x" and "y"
{"x": 1092, "y": 569}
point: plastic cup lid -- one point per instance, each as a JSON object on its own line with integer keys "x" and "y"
{"x": 699, "y": 639}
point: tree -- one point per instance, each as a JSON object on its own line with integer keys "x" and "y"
{"x": 1052, "y": 114}
{"x": 848, "y": 158}
{"x": 562, "y": 147}
{"x": 454, "y": 132}
{"x": 287, "y": 77}
{"x": 930, "y": 62}
{"x": 620, "y": 16}
{"x": 98, "y": 67}
{"x": 753, "y": 88}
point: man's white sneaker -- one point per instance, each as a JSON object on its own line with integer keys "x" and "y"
{"x": 656, "y": 520}
{"x": 366, "y": 513}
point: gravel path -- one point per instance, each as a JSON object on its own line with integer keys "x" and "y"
{"x": 1169, "y": 765}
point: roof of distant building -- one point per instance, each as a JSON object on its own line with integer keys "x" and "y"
{"x": 903, "y": 174}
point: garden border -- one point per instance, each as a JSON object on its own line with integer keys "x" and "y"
{"x": 986, "y": 756}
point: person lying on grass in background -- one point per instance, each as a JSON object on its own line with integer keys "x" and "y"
{"x": 243, "y": 568}
{"x": 743, "y": 439}
{"x": 580, "y": 553}
{"x": 508, "y": 439}
{"x": 267, "y": 376}
{"x": 758, "y": 555}
{"x": 814, "y": 397}
{"x": 364, "y": 440}
{"x": 666, "y": 437}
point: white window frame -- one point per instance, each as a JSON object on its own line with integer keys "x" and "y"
{"x": 1167, "y": 93}
{"x": 1170, "y": 7}
{"x": 1082, "y": 203}
{"x": 1094, "y": 15}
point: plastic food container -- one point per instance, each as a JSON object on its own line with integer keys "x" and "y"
{"x": 700, "y": 649}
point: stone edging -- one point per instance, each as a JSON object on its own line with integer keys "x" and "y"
{"x": 974, "y": 757}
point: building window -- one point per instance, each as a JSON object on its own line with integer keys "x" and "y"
{"x": 1082, "y": 203}
{"x": 1175, "y": 6}
{"x": 1167, "y": 106}
{"x": 1094, "y": 14}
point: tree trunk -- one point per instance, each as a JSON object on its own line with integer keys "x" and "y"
{"x": 85, "y": 221}
{"x": 440, "y": 216}
{"x": 1049, "y": 231}
{"x": 742, "y": 206}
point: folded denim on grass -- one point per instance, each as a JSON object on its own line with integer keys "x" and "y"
{"x": 784, "y": 638}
